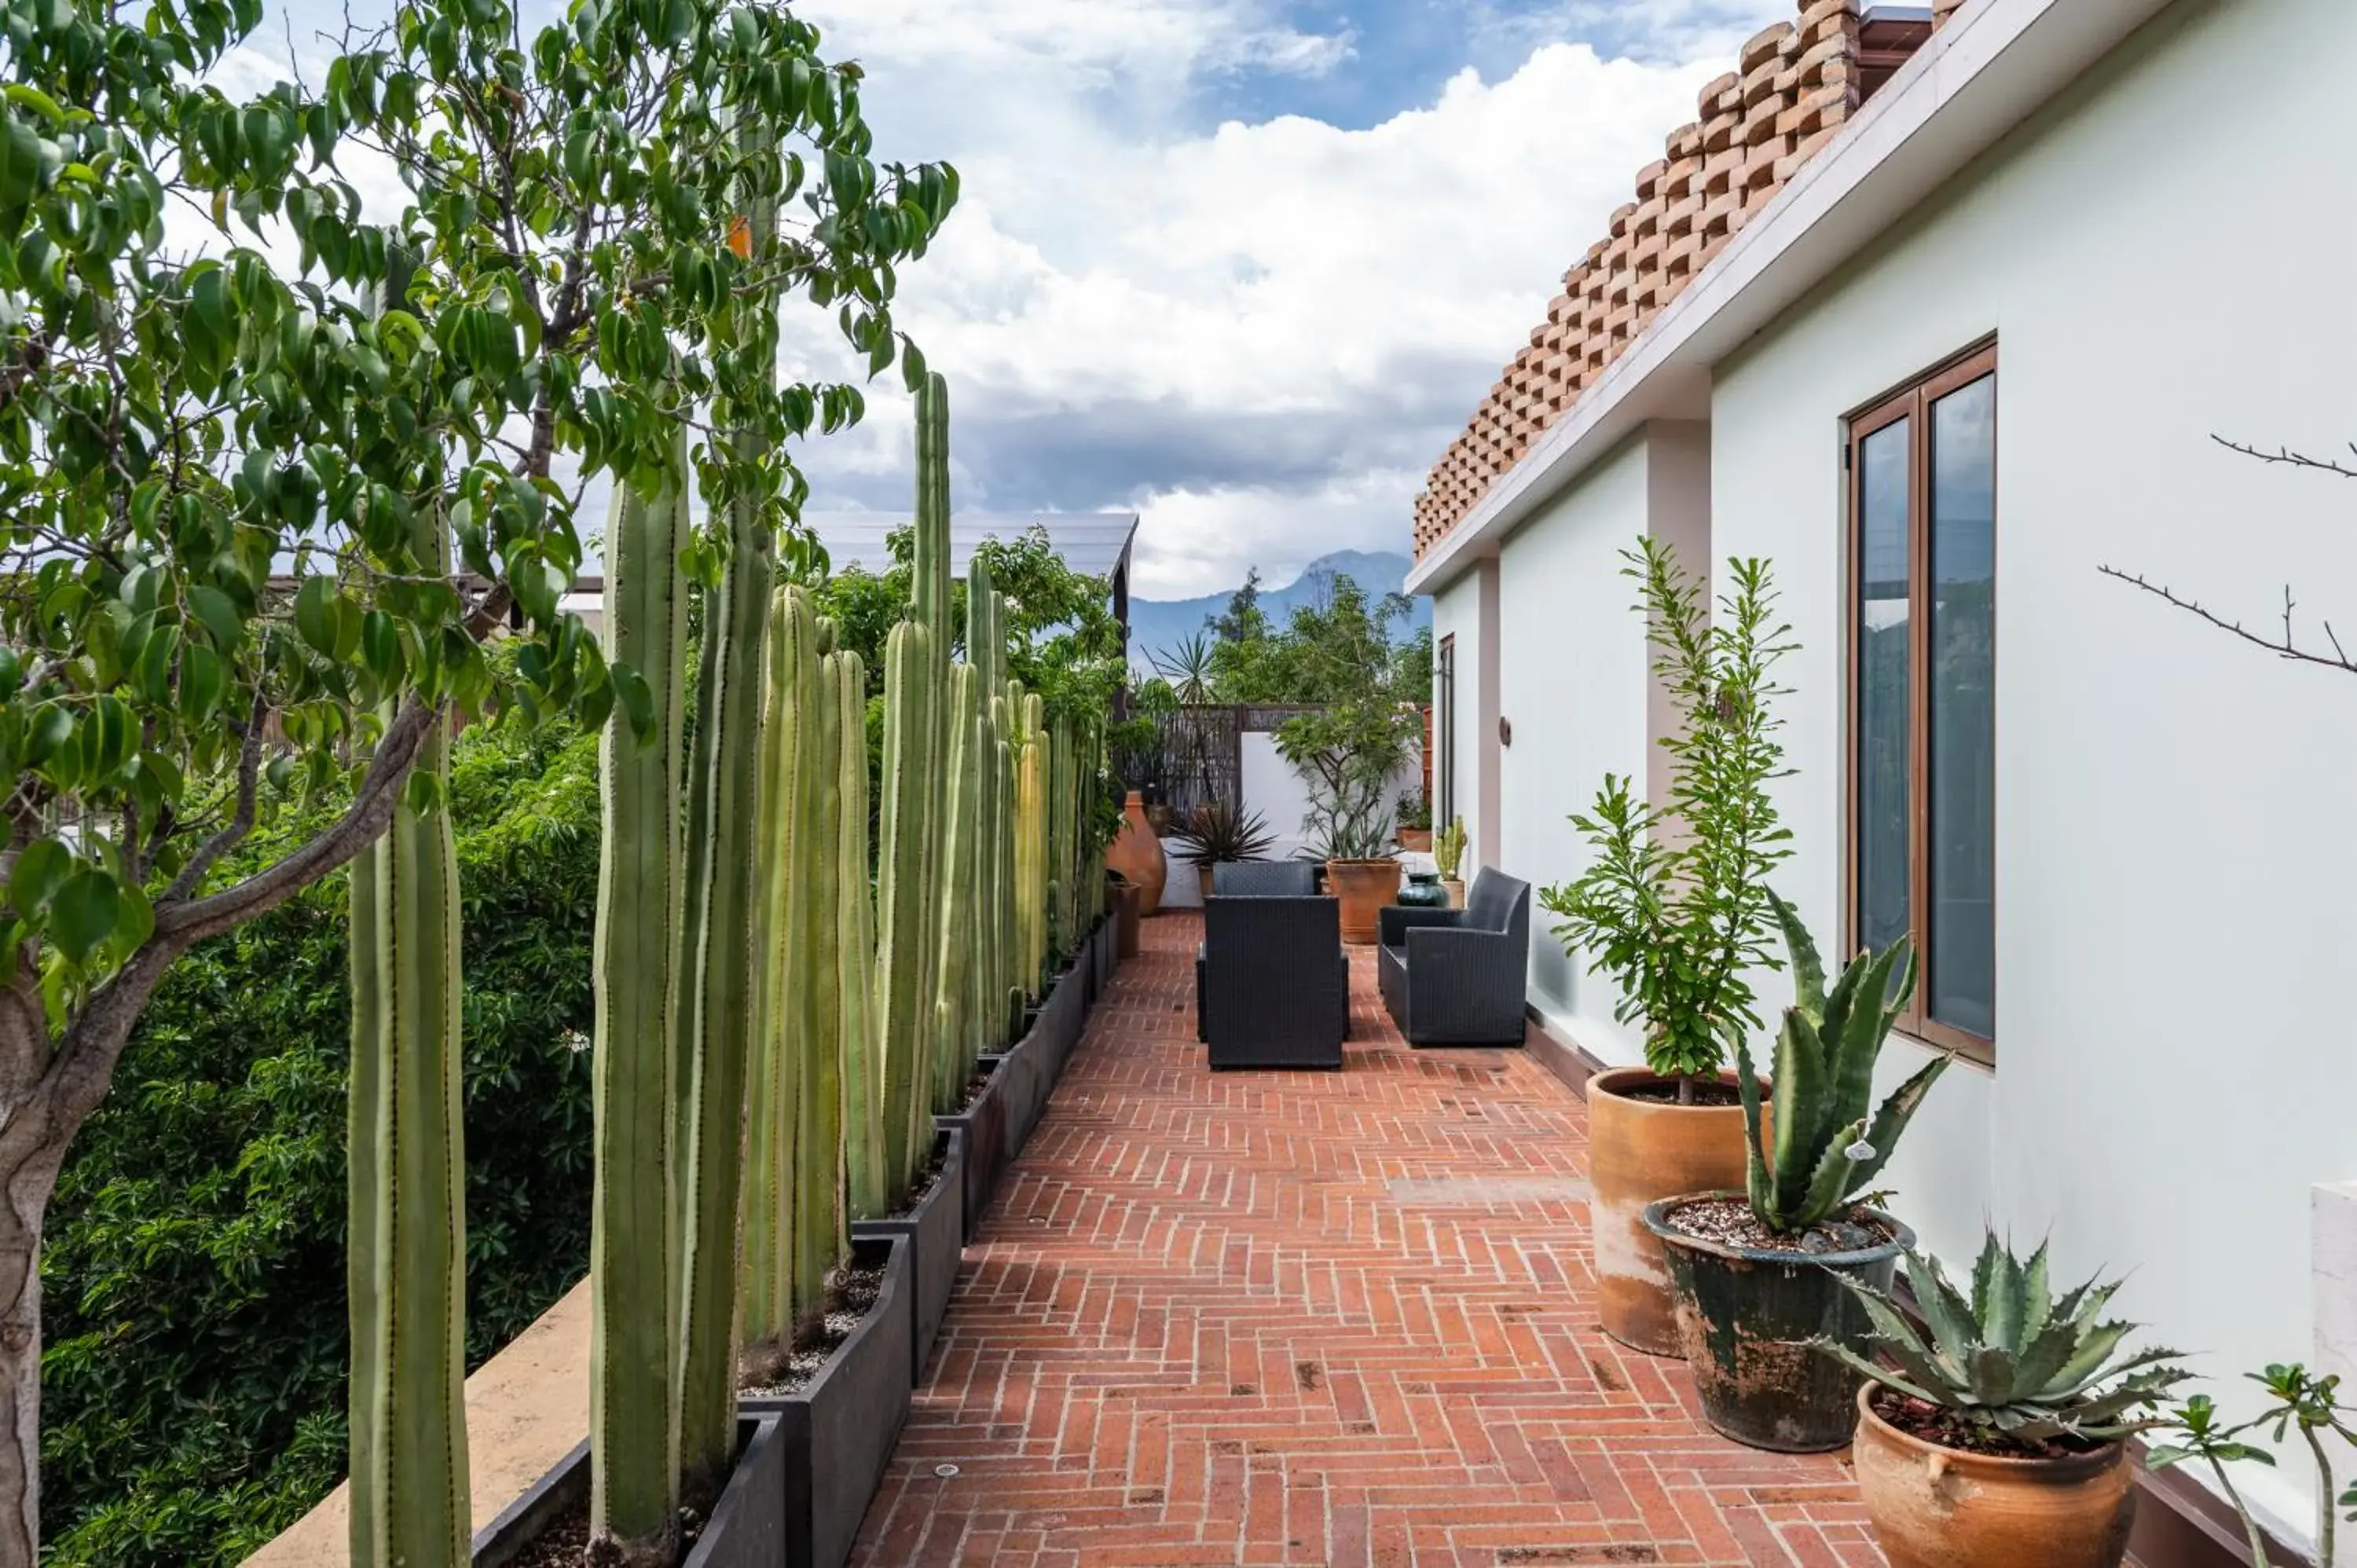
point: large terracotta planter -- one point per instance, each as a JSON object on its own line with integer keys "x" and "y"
{"x": 1364, "y": 887}
{"x": 1136, "y": 853}
{"x": 1418, "y": 839}
{"x": 1751, "y": 1319}
{"x": 1940, "y": 1508}
{"x": 1640, "y": 1151}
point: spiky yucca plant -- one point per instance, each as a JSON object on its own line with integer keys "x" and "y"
{"x": 1824, "y": 1151}
{"x": 2013, "y": 1360}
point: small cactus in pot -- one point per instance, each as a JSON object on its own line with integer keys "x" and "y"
{"x": 1763, "y": 1271}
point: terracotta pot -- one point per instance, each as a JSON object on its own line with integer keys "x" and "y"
{"x": 1364, "y": 887}
{"x": 1125, "y": 922}
{"x": 1416, "y": 839}
{"x": 1640, "y": 1151}
{"x": 1751, "y": 1319}
{"x": 1455, "y": 892}
{"x": 1136, "y": 853}
{"x": 1941, "y": 1507}
{"x": 1203, "y": 876}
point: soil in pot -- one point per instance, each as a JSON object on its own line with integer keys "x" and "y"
{"x": 1747, "y": 1315}
{"x": 1938, "y": 1502}
{"x": 849, "y": 1298}
{"x": 1364, "y": 887}
{"x": 1643, "y": 1146}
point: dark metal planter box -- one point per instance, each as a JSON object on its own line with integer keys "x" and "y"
{"x": 984, "y": 1126}
{"x": 748, "y": 1528}
{"x": 936, "y": 1231}
{"x": 1108, "y": 942}
{"x": 837, "y": 1434}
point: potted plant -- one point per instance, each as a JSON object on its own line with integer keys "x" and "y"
{"x": 1217, "y": 832}
{"x": 1448, "y": 853}
{"x": 1758, "y": 1277}
{"x": 1998, "y": 1434}
{"x": 1347, "y": 754}
{"x": 1674, "y": 908}
{"x": 1414, "y": 812}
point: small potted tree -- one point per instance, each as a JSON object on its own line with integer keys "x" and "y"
{"x": 1759, "y": 1274}
{"x": 1674, "y": 908}
{"x": 1348, "y": 754}
{"x": 1215, "y": 832}
{"x": 1998, "y": 1434}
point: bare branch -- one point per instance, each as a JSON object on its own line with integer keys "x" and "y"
{"x": 241, "y": 822}
{"x": 2284, "y": 648}
{"x": 2286, "y": 454}
{"x": 179, "y": 925}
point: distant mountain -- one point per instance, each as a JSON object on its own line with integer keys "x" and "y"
{"x": 1159, "y": 624}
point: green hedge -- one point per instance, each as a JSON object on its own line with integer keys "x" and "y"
{"x": 193, "y": 1399}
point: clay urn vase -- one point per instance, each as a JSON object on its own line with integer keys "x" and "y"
{"x": 1935, "y": 1507}
{"x": 1643, "y": 1146}
{"x": 1136, "y": 853}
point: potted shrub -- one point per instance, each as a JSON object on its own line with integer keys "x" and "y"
{"x": 1998, "y": 1434}
{"x": 1348, "y": 754}
{"x": 1216, "y": 831}
{"x": 1759, "y": 1275}
{"x": 1674, "y": 908}
{"x": 1448, "y": 853}
{"x": 1414, "y": 812}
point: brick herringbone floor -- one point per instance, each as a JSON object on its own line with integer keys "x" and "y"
{"x": 1336, "y": 1319}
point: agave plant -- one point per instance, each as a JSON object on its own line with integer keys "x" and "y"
{"x": 1217, "y": 831}
{"x": 1825, "y": 1151}
{"x": 2013, "y": 1359}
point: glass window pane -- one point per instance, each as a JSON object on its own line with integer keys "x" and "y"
{"x": 1884, "y": 902}
{"x": 1961, "y": 976}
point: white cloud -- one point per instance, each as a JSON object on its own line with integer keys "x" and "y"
{"x": 1259, "y": 335}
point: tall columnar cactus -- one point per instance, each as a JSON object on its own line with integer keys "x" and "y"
{"x": 634, "y": 1334}
{"x": 1031, "y": 841}
{"x": 793, "y": 962}
{"x": 867, "y": 1180}
{"x": 716, "y": 1001}
{"x": 406, "y": 1170}
{"x": 819, "y": 1239}
{"x": 904, "y": 1004}
{"x": 955, "y": 972}
{"x": 1010, "y": 989}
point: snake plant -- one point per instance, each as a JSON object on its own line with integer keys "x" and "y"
{"x": 1825, "y": 1152}
{"x": 2012, "y": 1359}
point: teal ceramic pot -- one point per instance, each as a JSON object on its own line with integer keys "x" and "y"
{"x": 1424, "y": 891}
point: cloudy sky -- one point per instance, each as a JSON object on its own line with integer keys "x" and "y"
{"x": 1243, "y": 267}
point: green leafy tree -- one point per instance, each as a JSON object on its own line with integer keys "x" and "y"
{"x": 193, "y": 1397}
{"x": 1674, "y": 904}
{"x": 1338, "y": 654}
{"x": 1334, "y": 649}
{"x": 214, "y": 599}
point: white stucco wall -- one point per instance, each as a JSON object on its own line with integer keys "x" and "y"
{"x": 2161, "y": 260}
{"x": 1572, "y": 678}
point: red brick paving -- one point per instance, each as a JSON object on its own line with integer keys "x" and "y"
{"x": 1269, "y": 1318}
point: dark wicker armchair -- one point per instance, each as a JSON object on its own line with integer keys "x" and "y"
{"x": 1456, "y": 977}
{"x": 1273, "y": 985}
{"x": 1253, "y": 879}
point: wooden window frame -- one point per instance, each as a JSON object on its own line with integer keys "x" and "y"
{"x": 1913, "y": 401}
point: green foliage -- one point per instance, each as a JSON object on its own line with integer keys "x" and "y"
{"x": 2012, "y": 1360}
{"x": 1338, "y": 653}
{"x": 194, "y": 1383}
{"x": 1673, "y": 905}
{"x": 1824, "y": 1152}
{"x": 1335, "y": 650}
{"x": 2297, "y": 1399}
{"x": 1187, "y": 667}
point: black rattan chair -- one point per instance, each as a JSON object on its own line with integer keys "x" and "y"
{"x": 1253, "y": 879}
{"x": 1456, "y": 977}
{"x": 1275, "y": 984}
